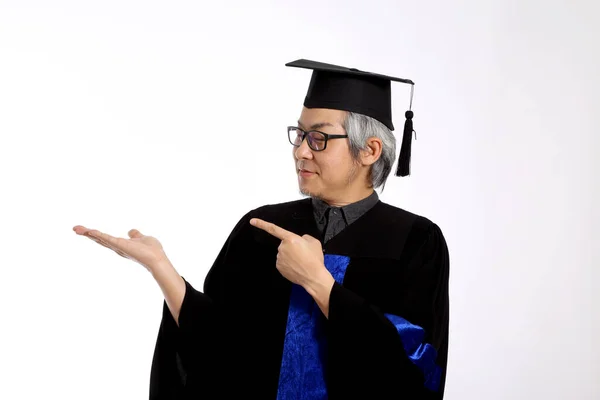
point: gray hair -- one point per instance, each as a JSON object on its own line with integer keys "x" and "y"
{"x": 359, "y": 128}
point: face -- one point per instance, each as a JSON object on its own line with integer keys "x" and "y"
{"x": 330, "y": 174}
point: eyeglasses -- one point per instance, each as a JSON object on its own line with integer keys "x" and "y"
{"x": 316, "y": 140}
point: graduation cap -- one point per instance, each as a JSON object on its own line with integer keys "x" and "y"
{"x": 349, "y": 89}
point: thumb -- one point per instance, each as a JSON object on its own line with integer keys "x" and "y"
{"x": 134, "y": 233}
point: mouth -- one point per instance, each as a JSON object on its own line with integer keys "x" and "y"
{"x": 305, "y": 173}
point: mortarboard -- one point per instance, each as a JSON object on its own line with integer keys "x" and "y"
{"x": 349, "y": 89}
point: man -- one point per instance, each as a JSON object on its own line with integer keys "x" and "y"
{"x": 335, "y": 296}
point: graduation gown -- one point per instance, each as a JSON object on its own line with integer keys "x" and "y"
{"x": 253, "y": 334}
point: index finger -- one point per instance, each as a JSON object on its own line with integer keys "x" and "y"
{"x": 271, "y": 228}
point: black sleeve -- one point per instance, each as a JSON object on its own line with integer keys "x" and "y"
{"x": 185, "y": 362}
{"x": 378, "y": 354}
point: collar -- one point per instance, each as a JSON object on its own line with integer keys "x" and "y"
{"x": 351, "y": 212}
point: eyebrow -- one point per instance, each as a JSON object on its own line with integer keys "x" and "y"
{"x": 318, "y": 125}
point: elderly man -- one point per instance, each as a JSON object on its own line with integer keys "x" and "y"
{"x": 335, "y": 296}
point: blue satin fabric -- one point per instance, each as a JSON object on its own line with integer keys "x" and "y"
{"x": 423, "y": 355}
{"x": 304, "y": 358}
{"x": 305, "y": 347}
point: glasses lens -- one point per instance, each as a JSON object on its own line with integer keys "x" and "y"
{"x": 316, "y": 140}
{"x": 295, "y": 136}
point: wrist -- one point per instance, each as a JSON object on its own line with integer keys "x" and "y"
{"x": 320, "y": 290}
{"x": 320, "y": 286}
{"x": 160, "y": 267}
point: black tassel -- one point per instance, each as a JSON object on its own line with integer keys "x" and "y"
{"x": 403, "y": 168}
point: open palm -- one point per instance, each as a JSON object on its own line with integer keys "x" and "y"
{"x": 145, "y": 250}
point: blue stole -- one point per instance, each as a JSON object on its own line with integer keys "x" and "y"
{"x": 304, "y": 359}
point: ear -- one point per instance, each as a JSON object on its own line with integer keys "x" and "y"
{"x": 372, "y": 152}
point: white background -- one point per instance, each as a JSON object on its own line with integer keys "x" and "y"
{"x": 170, "y": 117}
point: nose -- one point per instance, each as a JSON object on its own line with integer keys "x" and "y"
{"x": 303, "y": 151}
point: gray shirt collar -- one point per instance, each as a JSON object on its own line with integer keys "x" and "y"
{"x": 350, "y": 212}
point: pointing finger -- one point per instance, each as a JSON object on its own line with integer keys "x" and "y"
{"x": 271, "y": 228}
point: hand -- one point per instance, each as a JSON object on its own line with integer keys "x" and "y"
{"x": 142, "y": 249}
{"x": 300, "y": 258}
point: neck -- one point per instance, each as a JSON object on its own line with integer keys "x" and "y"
{"x": 347, "y": 197}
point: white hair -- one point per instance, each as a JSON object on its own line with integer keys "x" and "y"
{"x": 359, "y": 128}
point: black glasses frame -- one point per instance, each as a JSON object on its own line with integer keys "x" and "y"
{"x": 327, "y": 136}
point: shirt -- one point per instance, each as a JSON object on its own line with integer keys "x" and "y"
{"x": 332, "y": 220}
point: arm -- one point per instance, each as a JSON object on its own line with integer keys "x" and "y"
{"x": 381, "y": 354}
{"x": 172, "y": 285}
{"x": 320, "y": 290}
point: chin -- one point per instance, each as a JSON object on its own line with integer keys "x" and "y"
{"x": 306, "y": 191}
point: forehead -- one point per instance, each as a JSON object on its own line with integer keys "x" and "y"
{"x": 321, "y": 116}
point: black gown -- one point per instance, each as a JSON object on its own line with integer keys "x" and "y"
{"x": 253, "y": 334}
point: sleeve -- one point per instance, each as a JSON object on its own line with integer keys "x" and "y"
{"x": 401, "y": 354}
{"x": 185, "y": 362}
